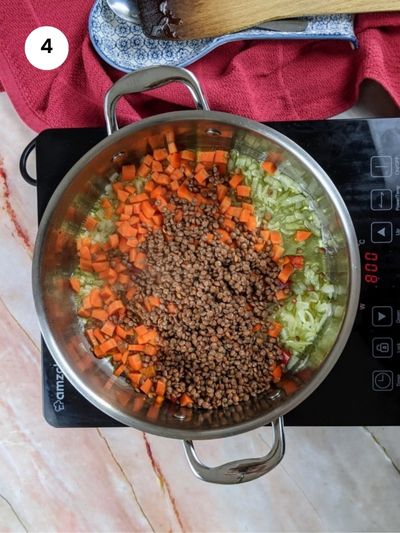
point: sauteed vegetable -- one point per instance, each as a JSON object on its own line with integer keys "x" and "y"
{"x": 201, "y": 275}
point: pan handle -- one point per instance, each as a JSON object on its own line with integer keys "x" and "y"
{"x": 242, "y": 470}
{"x": 23, "y": 161}
{"x": 146, "y": 79}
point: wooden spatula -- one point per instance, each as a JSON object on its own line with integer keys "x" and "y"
{"x": 196, "y": 19}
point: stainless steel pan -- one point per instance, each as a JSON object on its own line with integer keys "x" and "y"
{"x": 54, "y": 260}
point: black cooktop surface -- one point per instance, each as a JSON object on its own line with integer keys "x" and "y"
{"x": 363, "y": 159}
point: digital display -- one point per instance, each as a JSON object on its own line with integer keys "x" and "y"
{"x": 371, "y": 268}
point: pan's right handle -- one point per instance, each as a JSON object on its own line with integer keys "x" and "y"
{"x": 146, "y": 79}
{"x": 23, "y": 161}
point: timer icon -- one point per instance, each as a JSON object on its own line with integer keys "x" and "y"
{"x": 382, "y": 380}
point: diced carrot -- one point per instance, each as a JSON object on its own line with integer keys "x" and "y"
{"x": 84, "y": 313}
{"x": 185, "y": 400}
{"x": 301, "y": 235}
{"x": 161, "y": 179}
{"x": 224, "y": 235}
{"x": 225, "y": 204}
{"x": 275, "y": 237}
{"x": 117, "y": 185}
{"x": 112, "y": 276}
{"x": 245, "y": 214}
{"x": 75, "y": 284}
{"x": 107, "y": 346}
{"x": 249, "y": 207}
{"x": 257, "y": 327}
{"x": 150, "y": 336}
{"x": 277, "y": 252}
{"x": 201, "y": 176}
{"x": 206, "y": 156}
{"x": 139, "y": 198}
{"x": 132, "y": 255}
{"x": 280, "y": 295}
{"x": 90, "y": 223}
{"x": 149, "y": 349}
{"x": 289, "y": 386}
{"x": 91, "y": 337}
{"x": 251, "y": 223}
{"x": 297, "y": 261}
{"x": 159, "y": 154}
{"x": 124, "y": 279}
{"x": 130, "y": 293}
{"x": 114, "y": 307}
{"x": 122, "y": 195}
{"x": 114, "y": 240}
{"x": 100, "y": 314}
{"x": 95, "y": 298}
{"x": 108, "y": 328}
{"x": 150, "y": 186}
{"x": 128, "y": 172}
{"x": 209, "y": 237}
{"x": 118, "y": 371}
{"x": 155, "y": 301}
{"x": 265, "y": 234}
{"x": 147, "y": 160}
{"x": 132, "y": 242}
{"x": 158, "y": 220}
{"x": 160, "y": 388}
{"x": 146, "y": 387}
{"x": 158, "y": 192}
{"x": 286, "y": 272}
{"x": 100, "y": 266}
{"x": 234, "y": 211}
{"x": 99, "y": 336}
{"x": 184, "y": 193}
{"x": 84, "y": 253}
{"x": 229, "y": 224}
{"x": 149, "y": 371}
{"x": 136, "y": 347}
{"x": 156, "y": 166}
{"x": 275, "y": 329}
{"x": 135, "y": 361}
{"x": 177, "y": 174}
{"x": 140, "y": 260}
{"x": 174, "y": 185}
{"x": 221, "y": 156}
{"x": 143, "y": 170}
{"x": 140, "y": 330}
{"x": 126, "y": 230}
{"x": 174, "y": 160}
{"x": 189, "y": 155}
{"x": 147, "y": 209}
{"x": 243, "y": 190}
{"x": 277, "y": 374}
{"x": 221, "y": 192}
{"x": 235, "y": 180}
{"x": 269, "y": 167}
{"x": 259, "y": 246}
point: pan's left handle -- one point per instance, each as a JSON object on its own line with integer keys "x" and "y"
{"x": 146, "y": 79}
{"x": 23, "y": 161}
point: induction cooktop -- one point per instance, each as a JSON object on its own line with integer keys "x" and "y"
{"x": 363, "y": 159}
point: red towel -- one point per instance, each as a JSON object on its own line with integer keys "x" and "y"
{"x": 263, "y": 80}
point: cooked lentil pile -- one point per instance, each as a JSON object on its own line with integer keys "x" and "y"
{"x": 190, "y": 284}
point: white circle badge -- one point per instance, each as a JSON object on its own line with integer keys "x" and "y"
{"x": 46, "y": 48}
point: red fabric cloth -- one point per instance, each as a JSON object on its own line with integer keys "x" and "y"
{"x": 263, "y": 80}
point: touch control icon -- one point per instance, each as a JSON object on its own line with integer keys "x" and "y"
{"x": 382, "y": 380}
{"x": 382, "y": 316}
{"x": 381, "y": 166}
{"x": 382, "y": 347}
{"x": 381, "y": 232}
{"x": 381, "y": 199}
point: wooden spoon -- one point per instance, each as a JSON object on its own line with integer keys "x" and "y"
{"x": 197, "y": 19}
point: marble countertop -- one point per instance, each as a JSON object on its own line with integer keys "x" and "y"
{"x": 331, "y": 479}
